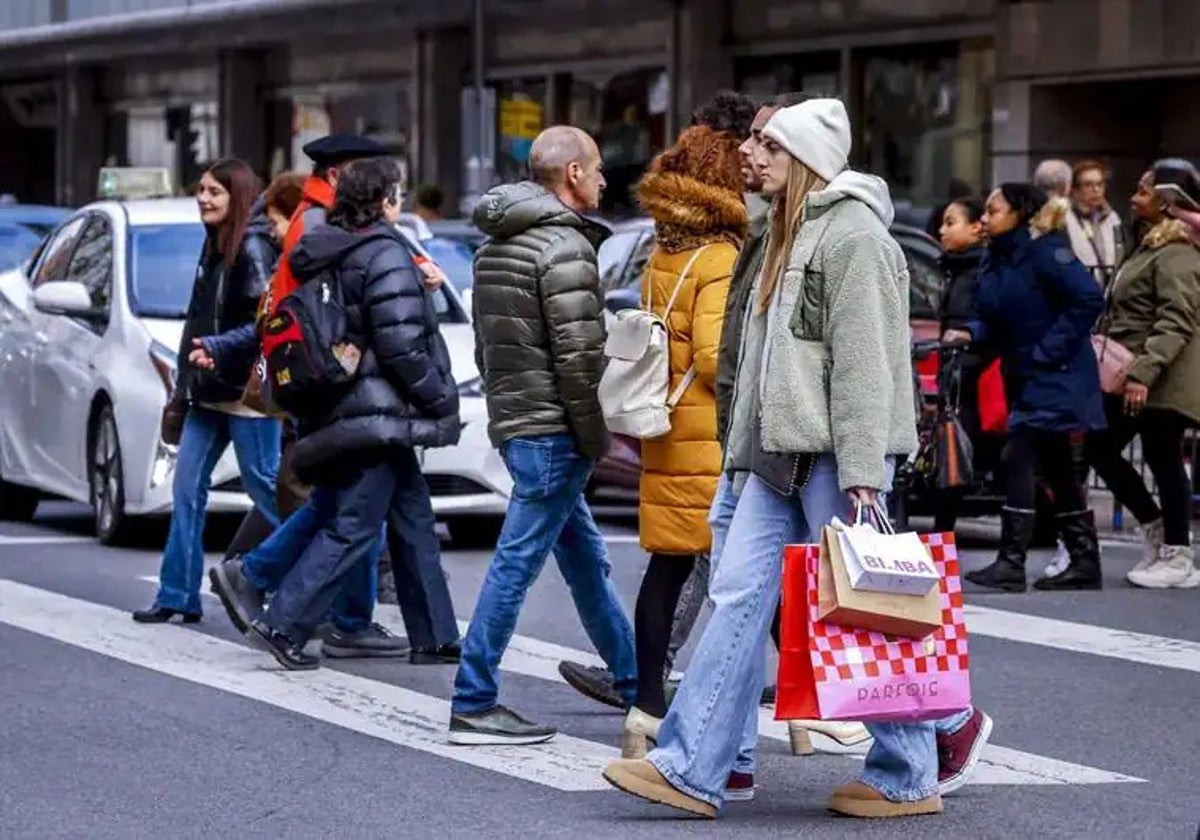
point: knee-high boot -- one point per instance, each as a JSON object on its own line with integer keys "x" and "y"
{"x": 1078, "y": 530}
{"x": 1007, "y": 572}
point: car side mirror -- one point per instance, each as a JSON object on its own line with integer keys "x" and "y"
{"x": 65, "y": 297}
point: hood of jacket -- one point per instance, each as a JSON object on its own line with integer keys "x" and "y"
{"x": 1184, "y": 228}
{"x": 849, "y": 185}
{"x": 681, "y": 201}
{"x": 508, "y": 210}
{"x": 327, "y": 245}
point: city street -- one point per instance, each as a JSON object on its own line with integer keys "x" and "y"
{"x": 111, "y": 729}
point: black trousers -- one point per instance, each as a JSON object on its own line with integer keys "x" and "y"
{"x": 1055, "y": 457}
{"x": 1161, "y": 432}
{"x": 653, "y": 620}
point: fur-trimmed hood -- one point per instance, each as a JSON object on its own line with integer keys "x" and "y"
{"x": 1168, "y": 231}
{"x": 686, "y": 203}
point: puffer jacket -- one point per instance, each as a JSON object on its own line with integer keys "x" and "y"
{"x": 538, "y": 314}
{"x": 223, "y": 299}
{"x": 1037, "y": 304}
{"x": 1154, "y": 311}
{"x": 404, "y": 394}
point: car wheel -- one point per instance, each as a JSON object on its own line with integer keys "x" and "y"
{"x": 107, "y": 479}
{"x": 474, "y": 531}
{"x": 17, "y": 503}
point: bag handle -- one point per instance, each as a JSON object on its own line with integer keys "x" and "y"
{"x": 876, "y": 514}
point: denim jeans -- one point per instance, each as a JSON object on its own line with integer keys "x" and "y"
{"x": 206, "y": 435}
{"x": 696, "y": 748}
{"x": 547, "y": 512}
{"x": 268, "y": 564}
{"x": 347, "y": 541}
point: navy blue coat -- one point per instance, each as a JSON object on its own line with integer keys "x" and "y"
{"x": 1037, "y": 305}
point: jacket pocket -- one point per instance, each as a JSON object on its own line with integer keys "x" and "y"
{"x": 795, "y": 405}
{"x": 808, "y": 316}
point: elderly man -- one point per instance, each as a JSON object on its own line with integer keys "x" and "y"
{"x": 1053, "y": 177}
{"x": 540, "y": 336}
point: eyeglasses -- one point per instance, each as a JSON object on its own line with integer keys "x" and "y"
{"x": 1091, "y": 185}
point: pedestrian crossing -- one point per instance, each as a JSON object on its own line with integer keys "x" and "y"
{"x": 418, "y": 721}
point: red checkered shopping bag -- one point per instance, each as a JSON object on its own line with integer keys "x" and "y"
{"x": 829, "y": 672}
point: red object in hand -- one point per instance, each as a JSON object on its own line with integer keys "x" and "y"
{"x": 993, "y": 403}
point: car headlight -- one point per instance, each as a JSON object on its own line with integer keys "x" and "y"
{"x": 471, "y": 388}
{"x": 163, "y": 358}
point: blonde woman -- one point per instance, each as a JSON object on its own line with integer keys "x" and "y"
{"x": 823, "y": 392}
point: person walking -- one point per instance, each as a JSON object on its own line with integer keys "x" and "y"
{"x": 1036, "y": 307}
{"x": 693, "y": 193}
{"x": 1153, "y": 310}
{"x": 360, "y": 454}
{"x": 234, "y": 267}
{"x": 822, "y": 393}
{"x": 539, "y": 345}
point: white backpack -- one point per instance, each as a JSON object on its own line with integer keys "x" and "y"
{"x": 633, "y": 390}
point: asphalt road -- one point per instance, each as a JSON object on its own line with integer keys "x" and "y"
{"x": 109, "y": 729}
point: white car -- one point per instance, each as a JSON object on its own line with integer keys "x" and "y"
{"x": 89, "y": 330}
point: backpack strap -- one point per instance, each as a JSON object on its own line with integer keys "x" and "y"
{"x": 689, "y": 377}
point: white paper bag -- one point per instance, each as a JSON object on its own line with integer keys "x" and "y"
{"x": 886, "y": 562}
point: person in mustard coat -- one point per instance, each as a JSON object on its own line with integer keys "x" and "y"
{"x": 693, "y": 191}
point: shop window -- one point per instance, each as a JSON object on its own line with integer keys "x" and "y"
{"x": 767, "y": 76}
{"x": 520, "y": 116}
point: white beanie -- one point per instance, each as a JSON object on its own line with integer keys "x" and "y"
{"x": 816, "y": 133}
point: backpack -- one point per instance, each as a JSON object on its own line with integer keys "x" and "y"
{"x": 633, "y": 389}
{"x": 311, "y": 359}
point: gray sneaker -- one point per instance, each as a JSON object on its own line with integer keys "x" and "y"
{"x": 498, "y": 725}
{"x": 242, "y": 600}
{"x": 374, "y": 642}
{"x": 592, "y": 682}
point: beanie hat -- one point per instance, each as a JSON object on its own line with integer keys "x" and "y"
{"x": 816, "y": 133}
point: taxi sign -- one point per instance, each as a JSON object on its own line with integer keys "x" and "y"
{"x": 134, "y": 182}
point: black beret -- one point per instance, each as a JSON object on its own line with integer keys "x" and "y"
{"x": 333, "y": 149}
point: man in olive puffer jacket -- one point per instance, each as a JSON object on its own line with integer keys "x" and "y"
{"x": 540, "y": 335}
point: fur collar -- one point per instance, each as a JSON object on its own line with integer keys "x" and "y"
{"x": 1167, "y": 232}
{"x": 686, "y": 210}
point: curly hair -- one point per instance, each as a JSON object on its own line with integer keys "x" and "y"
{"x": 707, "y": 154}
{"x": 362, "y": 187}
{"x": 728, "y": 111}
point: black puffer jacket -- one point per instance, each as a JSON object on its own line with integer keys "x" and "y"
{"x": 958, "y": 308}
{"x": 539, "y": 323}
{"x": 224, "y": 298}
{"x": 405, "y": 394}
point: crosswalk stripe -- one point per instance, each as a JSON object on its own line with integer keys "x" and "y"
{"x": 999, "y": 765}
{"x": 1142, "y": 648}
{"x": 39, "y": 539}
{"x": 380, "y": 710}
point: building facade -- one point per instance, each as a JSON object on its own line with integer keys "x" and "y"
{"x": 940, "y": 91}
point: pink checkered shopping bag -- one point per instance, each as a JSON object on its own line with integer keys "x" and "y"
{"x": 829, "y": 672}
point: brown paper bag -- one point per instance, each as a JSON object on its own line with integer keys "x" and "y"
{"x": 886, "y": 612}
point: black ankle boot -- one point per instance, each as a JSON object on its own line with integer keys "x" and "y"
{"x": 1007, "y": 573}
{"x": 1078, "y": 531}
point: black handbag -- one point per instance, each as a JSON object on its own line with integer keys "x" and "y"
{"x": 785, "y": 473}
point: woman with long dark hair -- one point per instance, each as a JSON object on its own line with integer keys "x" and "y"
{"x": 235, "y": 266}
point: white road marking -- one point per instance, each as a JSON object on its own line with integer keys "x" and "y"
{"x": 383, "y": 711}
{"x": 7, "y": 539}
{"x": 621, "y": 539}
{"x": 1142, "y": 648}
{"x": 532, "y": 657}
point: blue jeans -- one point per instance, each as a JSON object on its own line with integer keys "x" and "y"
{"x": 268, "y": 564}
{"x": 547, "y": 513}
{"x": 206, "y": 435}
{"x": 696, "y": 748}
{"x": 350, "y": 515}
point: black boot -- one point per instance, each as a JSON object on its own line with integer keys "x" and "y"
{"x": 1007, "y": 573}
{"x": 1078, "y": 531}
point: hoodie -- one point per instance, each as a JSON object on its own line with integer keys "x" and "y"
{"x": 405, "y": 394}
{"x": 834, "y": 374}
{"x": 538, "y": 317}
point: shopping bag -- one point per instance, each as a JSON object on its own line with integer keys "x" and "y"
{"x": 886, "y": 612}
{"x": 993, "y": 401}
{"x": 877, "y": 559}
{"x": 830, "y": 672}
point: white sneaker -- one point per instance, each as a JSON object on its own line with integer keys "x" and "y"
{"x": 1175, "y": 568}
{"x": 1059, "y": 562}
{"x": 1152, "y": 541}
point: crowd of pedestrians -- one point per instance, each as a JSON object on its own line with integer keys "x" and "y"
{"x": 785, "y": 301}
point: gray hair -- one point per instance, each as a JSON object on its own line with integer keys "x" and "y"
{"x": 1053, "y": 177}
{"x": 556, "y": 148}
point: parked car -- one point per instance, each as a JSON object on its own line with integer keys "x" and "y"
{"x": 38, "y": 218}
{"x": 17, "y": 244}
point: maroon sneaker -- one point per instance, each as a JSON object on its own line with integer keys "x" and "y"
{"x": 959, "y": 753}
{"x": 740, "y": 787}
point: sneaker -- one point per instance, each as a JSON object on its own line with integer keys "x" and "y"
{"x": 739, "y": 787}
{"x": 447, "y": 654}
{"x": 1175, "y": 569}
{"x": 858, "y": 799}
{"x": 592, "y": 682}
{"x": 1152, "y": 541}
{"x": 498, "y": 725}
{"x": 768, "y": 696}
{"x": 1059, "y": 562}
{"x": 959, "y": 753}
{"x": 375, "y": 641}
{"x": 286, "y": 652}
{"x": 243, "y": 601}
{"x": 640, "y": 778}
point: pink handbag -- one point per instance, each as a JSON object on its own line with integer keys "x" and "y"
{"x": 1115, "y": 361}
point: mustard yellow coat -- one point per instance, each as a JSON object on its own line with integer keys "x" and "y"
{"x": 680, "y": 470}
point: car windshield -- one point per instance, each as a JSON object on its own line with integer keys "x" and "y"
{"x": 453, "y": 257}
{"x": 162, "y": 268}
{"x": 17, "y": 242}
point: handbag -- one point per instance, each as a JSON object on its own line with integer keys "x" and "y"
{"x": 785, "y": 473}
{"x": 1114, "y": 360}
{"x": 174, "y": 413}
{"x": 955, "y": 453}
